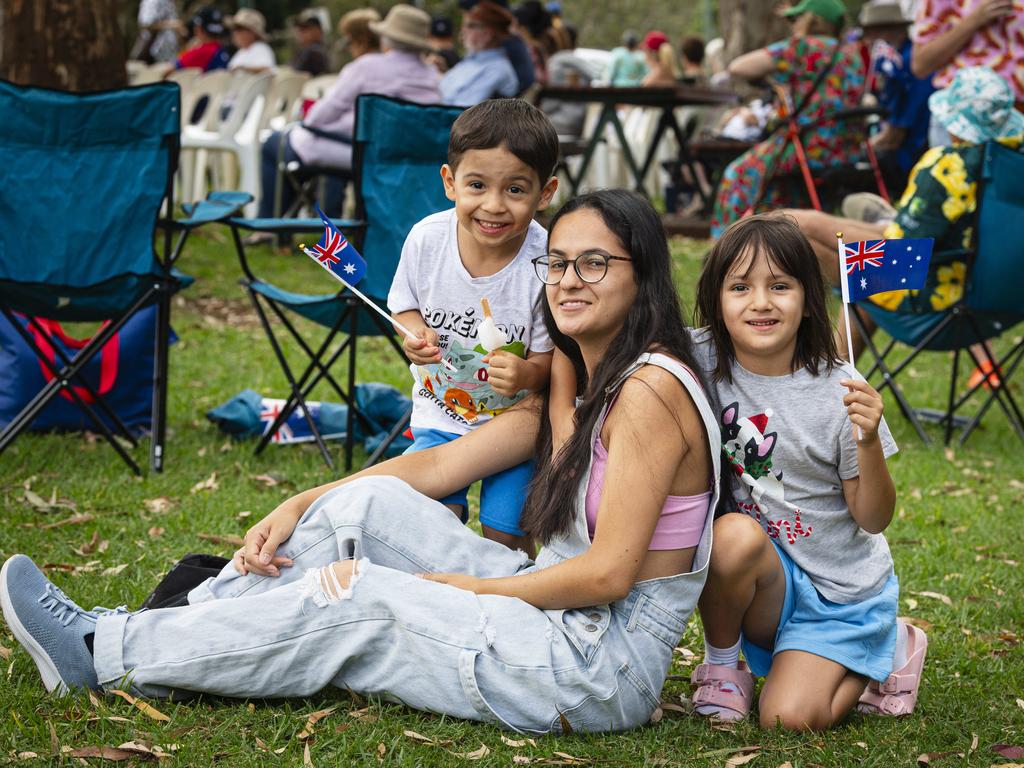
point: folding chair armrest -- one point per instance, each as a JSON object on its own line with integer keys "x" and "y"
{"x": 293, "y": 226}
{"x": 217, "y": 207}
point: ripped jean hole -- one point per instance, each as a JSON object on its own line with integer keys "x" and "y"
{"x": 323, "y": 587}
{"x": 483, "y": 626}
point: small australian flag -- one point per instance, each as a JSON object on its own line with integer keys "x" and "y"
{"x": 876, "y": 266}
{"x": 337, "y": 254}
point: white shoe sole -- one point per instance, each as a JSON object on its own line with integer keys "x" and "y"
{"x": 47, "y": 670}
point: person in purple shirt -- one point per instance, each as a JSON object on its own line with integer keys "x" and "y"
{"x": 486, "y": 71}
{"x": 324, "y": 139}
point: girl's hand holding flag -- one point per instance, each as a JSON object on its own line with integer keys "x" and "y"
{"x": 867, "y": 268}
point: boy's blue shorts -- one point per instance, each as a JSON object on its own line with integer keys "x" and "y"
{"x": 860, "y": 636}
{"x": 501, "y": 495}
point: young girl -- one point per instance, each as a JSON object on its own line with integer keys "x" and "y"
{"x": 801, "y": 578}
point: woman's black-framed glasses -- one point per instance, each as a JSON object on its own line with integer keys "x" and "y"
{"x": 590, "y": 267}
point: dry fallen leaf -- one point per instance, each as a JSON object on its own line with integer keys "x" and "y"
{"x": 364, "y": 715}
{"x": 419, "y": 737}
{"x": 5, "y": 653}
{"x": 736, "y": 760}
{"x": 935, "y": 596}
{"x": 307, "y": 761}
{"x": 114, "y": 570}
{"x": 157, "y": 506}
{"x": 786, "y": 764}
{"x": 143, "y": 707}
{"x": 230, "y": 539}
{"x": 521, "y": 760}
{"x": 656, "y": 715}
{"x": 917, "y": 622}
{"x": 517, "y": 742}
{"x": 156, "y": 532}
{"x": 312, "y": 720}
{"x": 572, "y": 760}
{"x": 929, "y": 757}
{"x": 73, "y": 520}
{"x": 477, "y": 754}
{"x": 1009, "y": 751}
{"x": 729, "y": 751}
{"x": 566, "y": 725}
{"x": 209, "y": 484}
{"x": 267, "y": 480}
{"x": 974, "y": 743}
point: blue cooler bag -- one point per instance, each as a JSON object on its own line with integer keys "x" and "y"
{"x": 122, "y": 374}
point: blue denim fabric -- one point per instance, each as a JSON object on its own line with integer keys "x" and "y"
{"x": 434, "y": 647}
{"x": 501, "y": 495}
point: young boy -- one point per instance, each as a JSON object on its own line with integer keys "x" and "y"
{"x": 474, "y": 260}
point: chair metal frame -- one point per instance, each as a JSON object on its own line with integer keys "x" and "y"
{"x": 959, "y": 313}
{"x": 351, "y": 321}
{"x": 66, "y": 370}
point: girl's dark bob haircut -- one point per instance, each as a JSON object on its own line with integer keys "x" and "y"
{"x": 777, "y": 238}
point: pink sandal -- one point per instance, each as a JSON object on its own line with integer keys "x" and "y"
{"x": 897, "y": 695}
{"x": 709, "y": 679}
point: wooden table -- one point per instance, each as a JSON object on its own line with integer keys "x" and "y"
{"x": 666, "y": 98}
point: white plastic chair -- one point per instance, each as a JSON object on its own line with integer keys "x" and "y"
{"x": 231, "y": 129}
{"x": 140, "y": 73}
{"x": 211, "y": 87}
{"x": 280, "y": 104}
{"x": 186, "y": 79}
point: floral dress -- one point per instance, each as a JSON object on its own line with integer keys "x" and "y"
{"x": 748, "y": 181}
{"x": 939, "y": 202}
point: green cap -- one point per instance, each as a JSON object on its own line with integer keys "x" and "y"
{"x": 830, "y": 10}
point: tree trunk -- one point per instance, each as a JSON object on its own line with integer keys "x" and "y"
{"x": 69, "y": 45}
{"x": 747, "y": 25}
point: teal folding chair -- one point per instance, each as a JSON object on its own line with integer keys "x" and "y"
{"x": 991, "y": 305}
{"x": 85, "y": 179}
{"x": 399, "y": 147}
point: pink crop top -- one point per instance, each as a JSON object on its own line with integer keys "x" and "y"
{"x": 680, "y": 524}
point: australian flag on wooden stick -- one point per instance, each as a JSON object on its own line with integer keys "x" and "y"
{"x": 876, "y": 266}
{"x": 337, "y": 254}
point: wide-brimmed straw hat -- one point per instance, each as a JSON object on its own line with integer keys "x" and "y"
{"x": 251, "y": 19}
{"x": 882, "y": 15}
{"x": 406, "y": 25}
{"x": 977, "y": 106}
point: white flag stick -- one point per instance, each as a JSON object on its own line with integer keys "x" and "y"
{"x": 367, "y": 301}
{"x": 844, "y": 283}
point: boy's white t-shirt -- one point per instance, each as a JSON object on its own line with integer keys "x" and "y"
{"x": 432, "y": 280}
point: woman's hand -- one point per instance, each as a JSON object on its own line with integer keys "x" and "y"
{"x": 257, "y": 554}
{"x": 458, "y": 580}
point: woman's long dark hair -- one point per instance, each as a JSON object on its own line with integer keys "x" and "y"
{"x": 653, "y": 322}
{"x": 778, "y": 238}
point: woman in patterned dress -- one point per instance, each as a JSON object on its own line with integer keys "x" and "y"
{"x": 795, "y": 64}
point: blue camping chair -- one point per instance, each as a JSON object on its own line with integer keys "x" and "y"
{"x": 85, "y": 178}
{"x": 991, "y": 305}
{"x": 399, "y": 148}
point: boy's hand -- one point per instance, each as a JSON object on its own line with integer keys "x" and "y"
{"x": 424, "y": 349}
{"x": 864, "y": 405}
{"x": 507, "y": 373}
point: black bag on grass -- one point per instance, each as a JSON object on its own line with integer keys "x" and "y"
{"x": 184, "y": 576}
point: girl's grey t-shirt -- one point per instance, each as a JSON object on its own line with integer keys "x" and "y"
{"x": 790, "y": 444}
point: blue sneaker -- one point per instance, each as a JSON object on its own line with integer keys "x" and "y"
{"x": 50, "y": 626}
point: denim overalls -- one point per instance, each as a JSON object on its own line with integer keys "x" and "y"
{"x": 431, "y": 646}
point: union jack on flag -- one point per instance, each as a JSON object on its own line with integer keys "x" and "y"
{"x": 876, "y": 266}
{"x": 863, "y": 254}
{"x": 337, "y": 254}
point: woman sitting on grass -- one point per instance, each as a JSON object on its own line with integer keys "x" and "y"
{"x": 370, "y": 584}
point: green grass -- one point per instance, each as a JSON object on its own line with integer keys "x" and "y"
{"x": 957, "y": 533}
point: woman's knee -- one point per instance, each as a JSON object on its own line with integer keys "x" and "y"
{"x": 739, "y": 542}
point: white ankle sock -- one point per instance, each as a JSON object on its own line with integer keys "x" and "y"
{"x": 900, "y": 657}
{"x": 726, "y": 657}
